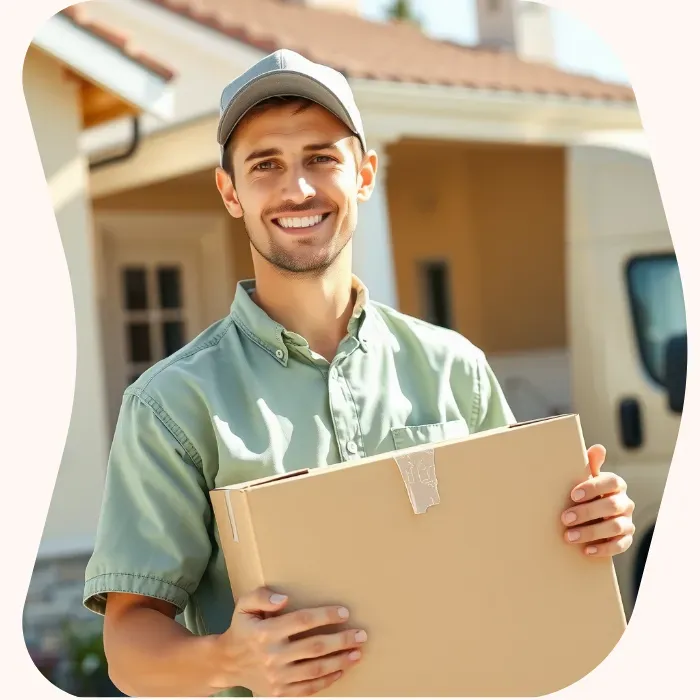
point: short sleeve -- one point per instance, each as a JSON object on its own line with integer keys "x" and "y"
{"x": 494, "y": 411}
{"x": 153, "y": 535}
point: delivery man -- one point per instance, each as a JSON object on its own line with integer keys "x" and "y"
{"x": 305, "y": 370}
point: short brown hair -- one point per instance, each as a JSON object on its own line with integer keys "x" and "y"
{"x": 301, "y": 103}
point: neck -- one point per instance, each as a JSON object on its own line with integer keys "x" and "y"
{"x": 317, "y": 307}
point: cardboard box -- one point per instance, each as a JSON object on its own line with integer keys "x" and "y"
{"x": 451, "y": 556}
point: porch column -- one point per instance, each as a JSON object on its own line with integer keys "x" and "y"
{"x": 54, "y": 107}
{"x": 373, "y": 258}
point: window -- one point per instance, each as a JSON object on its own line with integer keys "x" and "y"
{"x": 436, "y": 289}
{"x": 153, "y": 311}
{"x": 658, "y": 309}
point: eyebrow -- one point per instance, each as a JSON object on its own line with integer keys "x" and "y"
{"x": 270, "y": 152}
{"x": 266, "y": 153}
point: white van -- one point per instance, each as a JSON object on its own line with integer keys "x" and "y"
{"x": 628, "y": 330}
{"x": 624, "y": 368}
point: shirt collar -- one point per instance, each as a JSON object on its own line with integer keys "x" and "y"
{"x": 273, "y": 337}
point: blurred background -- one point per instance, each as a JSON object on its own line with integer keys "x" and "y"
{"x": 516, "y": 204}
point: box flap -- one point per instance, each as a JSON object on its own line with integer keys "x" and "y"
{"x": 402, "y": 458}
{"x": 245, "y": 485}
{"x": 543, "y": 420}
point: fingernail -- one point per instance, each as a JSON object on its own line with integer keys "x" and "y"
{"x": 578, "y": 495}
{"x": 573, "y": 535}
{"x": 361, "y": 636}
{"x": 276, "y": 598}
{"x": 343, "y": 613}
{"x": 591, "y": 550}
{"x": 569, "y": 518}
{"x": 354, "y": 655}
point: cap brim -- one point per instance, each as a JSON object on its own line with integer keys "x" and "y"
{"x": 276, "y": 84}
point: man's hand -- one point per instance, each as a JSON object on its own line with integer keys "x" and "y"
{"x": 601, "y": 522}
{"x": 257, "y": 651}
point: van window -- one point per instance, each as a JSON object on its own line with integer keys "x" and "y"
{"x": 656, "y": 296}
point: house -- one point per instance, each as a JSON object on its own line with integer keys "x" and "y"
{"x": 80, "y": 75}
{"x": 473, "y": 145}
{"x": 490, "y": 128}
{"x": 481, "y": 121}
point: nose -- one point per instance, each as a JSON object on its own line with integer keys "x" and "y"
{"x": 297, "y": 188}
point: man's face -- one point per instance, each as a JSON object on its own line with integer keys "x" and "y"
{"x": 297, "y": 185}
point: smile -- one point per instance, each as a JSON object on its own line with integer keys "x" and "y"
{"x": 298, "y": 223}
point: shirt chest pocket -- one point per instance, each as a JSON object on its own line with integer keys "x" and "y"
{"x": 413, "y": 435}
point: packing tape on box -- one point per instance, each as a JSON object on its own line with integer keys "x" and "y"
{"x": 420, "y": 479}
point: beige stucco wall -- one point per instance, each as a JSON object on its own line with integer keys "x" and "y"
{"x": 496, "y": 213}
{"x": 54, "y": 109}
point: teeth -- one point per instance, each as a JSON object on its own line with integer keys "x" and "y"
{"x": 296, "y": 222}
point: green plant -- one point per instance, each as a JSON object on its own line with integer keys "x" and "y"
{"x": 402, "y": 10}
{"x": 86, "y": 663}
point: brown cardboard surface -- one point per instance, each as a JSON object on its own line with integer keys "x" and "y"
{"x": 477, "y": 596}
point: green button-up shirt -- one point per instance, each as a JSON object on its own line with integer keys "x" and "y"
{"x": 248, "y": 399}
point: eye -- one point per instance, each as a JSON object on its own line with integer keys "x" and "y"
{"x": 264, "y": 165}
{"x": 323, "y": 159}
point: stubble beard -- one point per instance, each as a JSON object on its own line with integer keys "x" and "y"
{"x": 314, "y": 265}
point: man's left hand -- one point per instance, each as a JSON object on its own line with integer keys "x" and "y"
{"x": 601, "y": 521}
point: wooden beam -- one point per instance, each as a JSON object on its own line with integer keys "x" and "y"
{"x": 99, "y": 106}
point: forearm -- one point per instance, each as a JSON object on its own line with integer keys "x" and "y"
{"x": 149, "y": 654}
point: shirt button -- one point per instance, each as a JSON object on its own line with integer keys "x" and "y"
{"x": 352, "y": 447}
{"x": 279, "y": 354}
{"x": 333, "y": 373}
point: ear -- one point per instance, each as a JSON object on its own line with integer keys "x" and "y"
{"x": 367, "y": 176}
{"x": 228, "y": 193}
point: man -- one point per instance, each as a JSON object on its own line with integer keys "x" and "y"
{"x": 304, "y": 371}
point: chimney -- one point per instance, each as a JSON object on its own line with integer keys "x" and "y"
{"x": 535, "y": 34}
{"x": 519, "y": 26}
{"x": 349, "y": 6}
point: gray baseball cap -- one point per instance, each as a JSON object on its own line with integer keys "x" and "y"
{"x": 286, "y": 73}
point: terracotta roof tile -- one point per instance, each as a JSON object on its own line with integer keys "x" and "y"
{"x": 118, "y": 41}
{"x": 391, "y": 51}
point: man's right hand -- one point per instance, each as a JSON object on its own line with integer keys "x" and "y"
{"x": 256, "y": 651}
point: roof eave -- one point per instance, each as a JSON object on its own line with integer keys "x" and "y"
{"x": 106, "y": 66}
{"x": 394, "y": 111}
{"x": 456, "y": 101}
